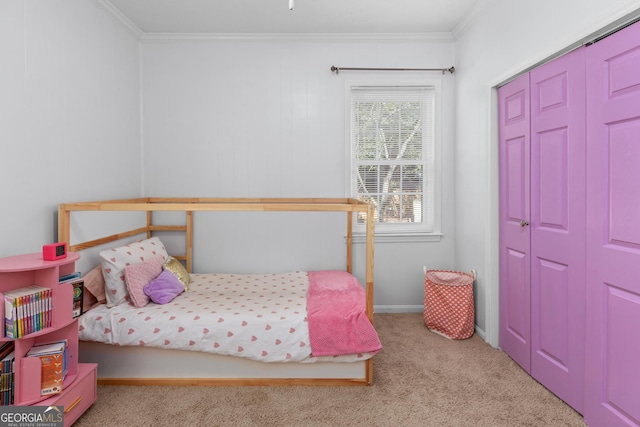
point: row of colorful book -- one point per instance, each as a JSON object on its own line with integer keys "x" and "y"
{"x": 27, "y": 310}
{"x": 7, "y": 357}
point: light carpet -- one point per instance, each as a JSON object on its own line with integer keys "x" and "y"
{"x": 420, "y": 379}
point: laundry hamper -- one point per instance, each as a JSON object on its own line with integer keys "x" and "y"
{"x": 448, "y": 303}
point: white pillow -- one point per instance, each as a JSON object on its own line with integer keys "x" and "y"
{"x": 115, "y": 260}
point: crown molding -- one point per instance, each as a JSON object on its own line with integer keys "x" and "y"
{"x": 168, "y": 38}
{"x": 470, "y": 18}
{"x": 120, "y": 17}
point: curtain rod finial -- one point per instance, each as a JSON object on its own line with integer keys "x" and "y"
{"x": 335, "y": 69}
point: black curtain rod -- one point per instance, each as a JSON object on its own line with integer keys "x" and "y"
{"x": 338, "y": 69}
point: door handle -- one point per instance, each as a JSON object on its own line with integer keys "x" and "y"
{"x": 523, "y": 223}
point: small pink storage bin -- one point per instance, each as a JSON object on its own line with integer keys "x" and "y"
{"x": 448, "y": 303}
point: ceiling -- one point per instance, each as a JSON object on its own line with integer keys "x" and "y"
{"x": 308, "y": 16}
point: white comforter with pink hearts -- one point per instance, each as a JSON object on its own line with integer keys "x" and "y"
{"x": 258, "y": 316}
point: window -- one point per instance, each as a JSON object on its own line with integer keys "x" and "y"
{"x": 392, "y": 151}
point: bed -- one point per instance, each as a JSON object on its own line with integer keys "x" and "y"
{"x": 231, "y": 329}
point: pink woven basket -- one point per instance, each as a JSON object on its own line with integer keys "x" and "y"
{"x": 448, "y": 303}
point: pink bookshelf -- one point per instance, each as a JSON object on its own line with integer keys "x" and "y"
{"x": 79, "y": 390}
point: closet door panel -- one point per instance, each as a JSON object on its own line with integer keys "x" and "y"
{"x": 514, "y": 153}
{"x": 613, "y": 240}
{"x": 558, "y": 226}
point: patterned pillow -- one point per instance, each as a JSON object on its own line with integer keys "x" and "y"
{"x": 164, "y": 288}
{"x": 138, "y": 275}
{"x": 115, "y": 260}
{"x": 178, "y": 270}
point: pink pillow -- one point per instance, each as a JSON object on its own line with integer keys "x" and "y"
{"x": 136, "y": 276}
{"x": 94, "y": 283}
{"x": 164, "y": 288}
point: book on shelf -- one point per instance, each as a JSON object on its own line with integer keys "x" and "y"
{"x": 78, "y": 291}
{"x": 69, "y": 277}
{"x": 77, "y": 281}
{"x": 6, "y": 348}
{"x": 7, "y": 357}
{"x": 27, "y": 310}
{"x": 54, "y": 361}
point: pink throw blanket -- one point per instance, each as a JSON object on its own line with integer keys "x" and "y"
{"x": 337, "y": 320}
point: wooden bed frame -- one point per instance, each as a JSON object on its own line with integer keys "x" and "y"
{"x": 148, "y": 366}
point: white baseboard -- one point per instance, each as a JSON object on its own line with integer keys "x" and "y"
{"x": 398, "y": 309}
{"x": 481, "y": 333}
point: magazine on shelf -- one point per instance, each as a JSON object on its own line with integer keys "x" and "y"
{"x": 53, "y": 359}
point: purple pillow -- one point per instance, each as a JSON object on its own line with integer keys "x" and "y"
{"x": 164, "y": 288}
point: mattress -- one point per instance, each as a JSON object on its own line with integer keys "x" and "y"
{"x": 262, "y": 317}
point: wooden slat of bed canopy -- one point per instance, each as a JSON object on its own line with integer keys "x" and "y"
{"x": 221, "y": 204}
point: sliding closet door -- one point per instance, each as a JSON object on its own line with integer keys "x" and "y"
{"x": 514, "y": 148}
{"x": 558, "y": 152}
{"x": 613, "y": 225}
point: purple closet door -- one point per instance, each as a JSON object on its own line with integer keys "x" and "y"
{"x": 558, "y": 152}
{"x": 613, "y": 225}
{"x": 515, "y": 301}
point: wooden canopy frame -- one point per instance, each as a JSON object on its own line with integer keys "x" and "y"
{"x": 189, "y": 205}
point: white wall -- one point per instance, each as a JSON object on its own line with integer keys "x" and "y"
{"x": 266, "y": 118}
{"x": 507, "y": 38}
{"x": 69, "y": 114}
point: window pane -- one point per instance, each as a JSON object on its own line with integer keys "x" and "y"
{"x": 368, "y": 179}
{"x": 412, "y": 143}
{"x": 365, "y": 131}
{"x": 412, "y": 208}
{"x": 412, "y": 178}
{"x": 391, "y": 181}
{"x": 388, "y": 209}
{"x": 411, "y": 130}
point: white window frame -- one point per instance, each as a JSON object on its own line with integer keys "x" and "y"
{"x": 404, "y": 232}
